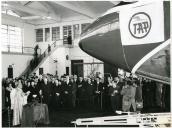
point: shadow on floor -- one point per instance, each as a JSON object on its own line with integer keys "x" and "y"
{"x": 64, "y": 117}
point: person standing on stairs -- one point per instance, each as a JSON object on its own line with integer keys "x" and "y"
{"x": 49, "y": 48}
{"x": 36, "y": 54}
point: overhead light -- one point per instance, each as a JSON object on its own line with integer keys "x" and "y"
{"x": 30, "y": 17}
{"x": 46, "y": 17}
{"x": 43, "y": 17}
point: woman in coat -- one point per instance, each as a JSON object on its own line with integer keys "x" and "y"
{"x": 128, "y": 92}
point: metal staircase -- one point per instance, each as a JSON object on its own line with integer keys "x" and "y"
{"x": 36, "y": 62}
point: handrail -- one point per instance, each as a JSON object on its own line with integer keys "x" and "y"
{"x": 46, "y": 50}
{"x": 14, "y": 46}
{"x": 21, "y": 48}
{"x": 35, "y": 62}
{"x": 54, "y": 43}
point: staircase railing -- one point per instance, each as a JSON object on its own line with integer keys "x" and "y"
{"x": 38, "y": 59}
{"x": 19, "y": 49}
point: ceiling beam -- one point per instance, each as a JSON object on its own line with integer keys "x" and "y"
{"x": 15, "y": 6}
{"x": 77, "y": 8}
{"x": 28, "y": 3}
{"x": 52, "y": 12}
{"x": 30, "y": 17}
{"x": 5, "y": 17}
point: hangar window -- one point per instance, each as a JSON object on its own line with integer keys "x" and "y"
{"x": 11, "y": 38}
{"x": 67, "y": 34}
{"x": 4, "y": 34}
{"x": 47, "y": 34}
{"x": 55, "y": 33}
{"x": 76, "y": 31}
{"x": 39, "y": 35}
{"x": 102, "y": 21}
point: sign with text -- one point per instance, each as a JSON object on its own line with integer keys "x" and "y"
{"x": 142, "y": 24}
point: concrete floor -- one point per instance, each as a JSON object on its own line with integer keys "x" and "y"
{"x": 64, "y": 117}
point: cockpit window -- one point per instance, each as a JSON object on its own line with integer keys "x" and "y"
{"x": 107, "y": 19}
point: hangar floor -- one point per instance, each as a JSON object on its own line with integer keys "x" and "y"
{"x": 63, "y": 118}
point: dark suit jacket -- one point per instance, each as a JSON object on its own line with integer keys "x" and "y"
{"x": 98, "y": 87}
{"x": 74, "y": 88}
{"x": 90, "y": 89}
{"x": 112, "y": 89}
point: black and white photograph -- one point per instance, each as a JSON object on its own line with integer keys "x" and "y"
{"x": 86, "y": 63}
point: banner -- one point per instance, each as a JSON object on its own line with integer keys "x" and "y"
{"x": 142, "y": 23}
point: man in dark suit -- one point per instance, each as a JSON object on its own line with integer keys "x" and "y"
{"x": 53, "y": 93}
{"x": 34, "y": 92}
{"x": 67, "y": 93}
{"x": 106, "y": 96}
{"x": 56, "y": 94}
{"x": 74, "y": 90}
{"x": 81, "y": 91}
{"x": 115, "y": 96}
{"x": 89, "y": 92}
{"x": 120, "y": 84}
{"x": 46, "y": 92}
{"x": 98, "y": 88}
{"x": 75, "y": 78}
{"x": 62, "y": 91}
{"x": 40, "y": 84}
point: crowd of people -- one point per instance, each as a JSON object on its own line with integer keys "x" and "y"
{"x": 68, "y": 92}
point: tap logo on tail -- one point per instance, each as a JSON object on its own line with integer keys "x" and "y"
{"x": 140, "y": 25}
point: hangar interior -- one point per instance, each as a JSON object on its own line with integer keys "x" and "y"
{"x": 46, "y": 23}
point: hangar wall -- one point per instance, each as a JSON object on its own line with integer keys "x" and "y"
{"x": 50, "y": 67}
{"x": 19, "y": 63}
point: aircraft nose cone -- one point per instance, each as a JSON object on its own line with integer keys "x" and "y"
{"x": 80, "y": 45}
{"x": 104, "y": 46}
